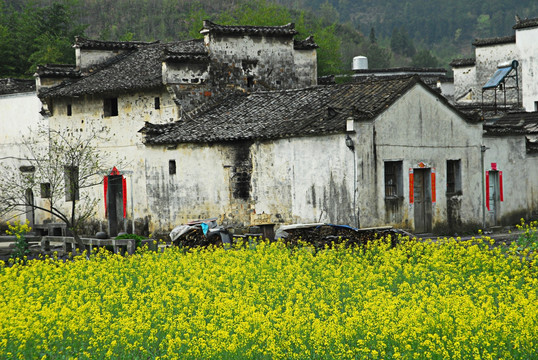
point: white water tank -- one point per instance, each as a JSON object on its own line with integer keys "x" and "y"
{"x": 360, "y": 63}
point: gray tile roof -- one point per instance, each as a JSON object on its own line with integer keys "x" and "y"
{"x": 283, "y": 30}
{"x": 277, "y": 114}
{"x": 515, "y": 123}
{"x": 187, "y": 51}
{"x": 83, "y": 43}
{"x": 136, "y": 69}
{"x": 16, "y": 86}
{"x": 495, "y": 41}
{"x": 463, "y": 62}
{"x": 58, "y": 70}
{"x": 306, "y": 44}
{"x": 407, "y": 70}
{"x": 526, "y": 23}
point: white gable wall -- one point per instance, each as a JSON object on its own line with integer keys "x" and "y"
{"x": 419, "y": 129}
{"x": 124, "y": 145}
{"x": 20, "y": 116}
{"x": 465, "y": 89}
{"x": 528, "y": 50}
{"x": 487, "y": 60}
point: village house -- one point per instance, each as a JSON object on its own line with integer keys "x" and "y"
{"x": 500, "y": 85}
{"x": 235, "y": 126}
{"x": 372, "y": 153}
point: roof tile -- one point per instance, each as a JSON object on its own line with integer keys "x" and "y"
{"x": 286, "y": 113}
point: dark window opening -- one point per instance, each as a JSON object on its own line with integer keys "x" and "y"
{"x": 110, "y": 107}
{"x": 45, "y": 190}
{"x": 157, "y": 103}
{"x": 172, "y": 167}
{"x": 393, "y": 179}
{"x": 27, "y": 168}
{"x": 71, "y": 183}
{"x": 69, "y": 110}
{"x": 250, "y": 81}
{"x": 453, "y": 176}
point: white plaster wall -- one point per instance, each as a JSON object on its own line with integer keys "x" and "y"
{"x": 520, "y": 177}
{"x": 19, "y": 116}
{"x": 86, "y": 57}
{"x": 528, "y": 50}
{"x": 275, "y": 68}
{"x": 199, "y": 189}
{"x": 465, "y": 84}
{"x": 306, "y": 67}
{"x": 261, "y": 48}
{"x": 487, "y": 60}
{"x": 124, "y": 145}
{"x": 447, "y": 88}
{"x": 184, "y": 73}
{"x": 301, "y": 180}
{"x": 419, "y": 128}
{"x": 293, "y": 180}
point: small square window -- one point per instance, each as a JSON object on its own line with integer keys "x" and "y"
{"x": 172, "y": 167}
{"x": 110, "y": 107}
{"x": 45, "y": 190}
{"x": 69, "y": 110}
{"x": 157, "y": 103}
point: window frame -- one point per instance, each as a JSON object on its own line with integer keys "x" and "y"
{"x": 393, "y": 179}
{"x": 453, "y": 177}
{"x": 172, "y": 167}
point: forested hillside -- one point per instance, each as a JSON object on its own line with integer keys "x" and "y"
{"x": 389, "y": 32}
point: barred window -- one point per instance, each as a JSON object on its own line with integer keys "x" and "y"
{"x": 393, "y": 179}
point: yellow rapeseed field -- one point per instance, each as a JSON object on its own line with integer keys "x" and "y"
{"x": 447, "y": 299}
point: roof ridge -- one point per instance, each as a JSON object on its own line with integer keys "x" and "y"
{"x": 278, "y": 30}
{"x": 84, "y": 42}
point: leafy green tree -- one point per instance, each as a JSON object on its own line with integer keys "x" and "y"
{"x": 373, "y": 39}
{"x": 328, "y": 13}
{"x": 378, "y": 57}
{"x": 424, "y": 58}
{"x": 401, "y": 43}
{"x": 34, "y": 34}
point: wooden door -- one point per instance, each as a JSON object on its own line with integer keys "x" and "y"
{"x": 422, "y": 200}
{"x": 494, "y": 197}
{"x": 115, "y": 204}
{"x": 30, "y": 210}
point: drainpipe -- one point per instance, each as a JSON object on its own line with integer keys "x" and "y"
{"x": 351, "y": 146}
{"x": 483, "y": 149}
{"x": 132, "y": 207}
